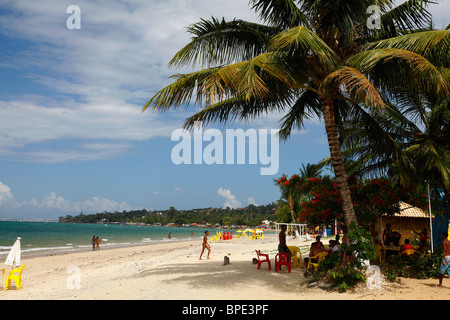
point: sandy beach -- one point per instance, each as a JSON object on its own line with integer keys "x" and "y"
{"x": 173, "y": 271}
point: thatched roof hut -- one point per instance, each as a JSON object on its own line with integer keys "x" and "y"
{"x": 409, "y": 218}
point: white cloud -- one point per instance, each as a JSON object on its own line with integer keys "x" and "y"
{"x": 6, "y": 196}
{"x": 101, "y": 131}
{"x": 230, "y": 199}
{"x": 52, "y": 202}
{"x": 96, "y": 79}
{"x": 251, "y": 200}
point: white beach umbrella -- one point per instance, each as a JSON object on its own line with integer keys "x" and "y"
{"x": 13, "y": 258}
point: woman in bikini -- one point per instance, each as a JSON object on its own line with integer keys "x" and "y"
{"x": 205, "y": 245}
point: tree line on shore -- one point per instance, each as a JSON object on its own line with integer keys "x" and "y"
{"x": 251, "y": 215}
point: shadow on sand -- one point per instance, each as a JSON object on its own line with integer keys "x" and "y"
{"x": 234, "y": 275}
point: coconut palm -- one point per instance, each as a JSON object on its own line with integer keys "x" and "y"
{"x": 290, "y": 195}
{"x": 410, "y": 145}
{"x": 310, "y": 170}
{"x": 310, "y": 58}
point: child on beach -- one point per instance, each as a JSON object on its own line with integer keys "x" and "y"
{"x": 205, "y": 245}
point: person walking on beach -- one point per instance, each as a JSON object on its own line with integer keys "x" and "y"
{"x": 205, "y": 245}
{"x": 282, "y": 247}
{"x": 97, "y": 242}
{"x": 445, "y": 263}
{"x": 94, "y": 243}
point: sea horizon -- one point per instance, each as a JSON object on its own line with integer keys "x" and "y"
{"x": 43, "y": 238}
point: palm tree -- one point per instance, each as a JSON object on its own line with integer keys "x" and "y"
{"x": 290, "y": 195}
{"x": 408, "y": 145}
{"x": 312, "y": 57}
{"x": 310, "y": 170}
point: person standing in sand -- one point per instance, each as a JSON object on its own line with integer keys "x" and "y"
{"x": 282, "y": 246}
{"x": 97, "y": 241}
{"x": 205, "y": 245}
{"x": 445, "y": 263}
{"x": 94, "y": 242}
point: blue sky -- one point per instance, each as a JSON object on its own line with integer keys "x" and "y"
{"x": 72, "y": 135}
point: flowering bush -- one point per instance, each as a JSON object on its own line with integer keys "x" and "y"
{"x": 371, "y": 198}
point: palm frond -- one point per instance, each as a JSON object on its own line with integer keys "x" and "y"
{"x": 240, "y": 108}
{"x": 251, "y": 79}
{"x": 218, "y": 42}
{"x": 280, "y": 13}
{"x": 403, "y": 18}
{"x": 303, "y": 39}
{"x": 430, "y": 155}
{"x": 305, "y": 107}
{"x": 180, "y": 91}
{"x": 426, "y": 43}
{"x": 337, "y": 19}
{"x": 421, "y": 74}
{"x": 359, "y": 88}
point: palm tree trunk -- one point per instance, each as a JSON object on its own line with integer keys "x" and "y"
{"x": 338, "y": 164}
{"x": 291, "y": 208}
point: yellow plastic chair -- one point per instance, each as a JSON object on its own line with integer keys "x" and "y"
{"x": 319, "y": 257}
{"x": 296, "y": 257}
{"x": 409, "y": 252}
{"x": 379, "y": 255}
{"x": 16, "y": 277}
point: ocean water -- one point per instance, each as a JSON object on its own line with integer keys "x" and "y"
{"x": 41, "y": 238}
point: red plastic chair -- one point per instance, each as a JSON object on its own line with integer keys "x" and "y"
{"x": 262, "y": 257}
{"x": 282, "y": 258}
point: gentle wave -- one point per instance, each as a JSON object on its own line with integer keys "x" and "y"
{"x": 38, "y": 249}
{"x": 55, "y": 238}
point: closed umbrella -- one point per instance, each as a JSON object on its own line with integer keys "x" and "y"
{"x": 13, "y": 258}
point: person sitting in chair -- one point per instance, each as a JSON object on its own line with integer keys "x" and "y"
{"x": 314, "y": 251}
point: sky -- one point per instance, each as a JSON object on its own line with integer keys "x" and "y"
{"x": 73, "y": 137}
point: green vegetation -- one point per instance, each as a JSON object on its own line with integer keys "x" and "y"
{"x": 346, "y": 274}
{"x": 419, "y": 265}
{"x": 311, "y": 58}
{"x": 251, "y": 215}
